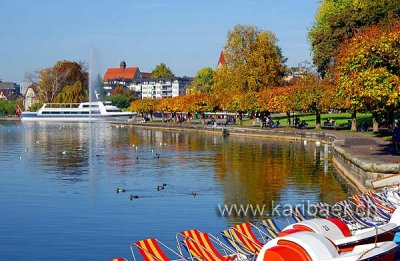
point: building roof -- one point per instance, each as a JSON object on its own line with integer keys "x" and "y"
{"x": 8, "y": 85}
{"x": 120, "y": 73}
{"x": 145, "y": 74}
{"x": 221, "y": 60}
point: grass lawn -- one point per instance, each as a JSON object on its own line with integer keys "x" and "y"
{"x": 341, "y": 119}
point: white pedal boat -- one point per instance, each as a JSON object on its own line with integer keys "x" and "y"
{"x": 307, "y": 246}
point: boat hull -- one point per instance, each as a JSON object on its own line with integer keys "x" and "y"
{"x": 77, "y": 118}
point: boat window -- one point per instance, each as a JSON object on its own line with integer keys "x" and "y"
{"x": 113, "y": 110}
{"x": 85, "y": 106}
{"x": 46, "y": 112}
{"x": 84, "y": 112}
{"x": 95, "y": 112}
{"x": 55, "y": 112}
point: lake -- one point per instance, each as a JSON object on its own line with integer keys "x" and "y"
{"x": 58, "y": 182}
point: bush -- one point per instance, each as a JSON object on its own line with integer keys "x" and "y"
{"x": 120, "y": 101}
{"x": 36, "y": 106}
{"x": 7, "y": 108}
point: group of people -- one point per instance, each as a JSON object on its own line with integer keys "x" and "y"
{"x": 300, "y": 124}
{"x": 268, "y": 122}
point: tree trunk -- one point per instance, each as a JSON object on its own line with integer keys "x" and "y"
{"x": 151, "y": 116}
{"x": 390, "y": 118}
{"x": 354, "y": 121}
{"x": 163, "y": 117}
{"x": 288, "y": 118}
{"x": 240, "y": 119}
{"x": 375, "y": 124}
{"x": 317, "y": 120}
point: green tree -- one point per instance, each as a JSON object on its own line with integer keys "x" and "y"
{"x": 337, "y": 21}
{"x": 162, "y": 71}
{"x": 121, "y": 101}
{"x": 203, "y": 81}
{"x": 7, "y": 107}
{"x": 36, "y": 106}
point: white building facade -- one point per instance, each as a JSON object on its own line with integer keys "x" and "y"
{"x": 158, "y": 88}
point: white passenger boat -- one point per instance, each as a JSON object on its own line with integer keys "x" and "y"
{"x": 77, "y": 112}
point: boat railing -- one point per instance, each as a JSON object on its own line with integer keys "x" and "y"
{"x": 61, "y": 105}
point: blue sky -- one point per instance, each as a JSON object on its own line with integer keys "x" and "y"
{"x": 186, "y": 35}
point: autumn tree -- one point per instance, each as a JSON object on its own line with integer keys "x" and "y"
{"x": 314, "y": 95}
{"x": 337, "y": 21}
{"x": 162, "y": 71}
{"x": 200, "y": 103}
{"x": 253, "y": 62}
{"x": 278, "y": 100}
{"x": 51, "y": 81}
{"x": 75, "y": 93}
{"x": 202, "y": 82}
{"x": 143, "y": 106}
{"x": 243, "y": 103}
{"x": 368, "y": 71}
{"x": 164, "y": 105}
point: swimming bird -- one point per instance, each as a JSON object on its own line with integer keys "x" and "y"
{"x": 64, "y": 152}
{"x": 305, "y": 142}
{"x": 133, "y": 197}
{"x": 120, "y": 190}
{"x": 194, "y": 194}
{"x": 161, "y": 187}
{"x": 20, "y": 157}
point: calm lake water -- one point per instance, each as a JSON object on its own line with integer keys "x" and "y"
{"x": 58, "y": 183}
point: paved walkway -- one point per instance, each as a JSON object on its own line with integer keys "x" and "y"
{"x": 367, "y": 147}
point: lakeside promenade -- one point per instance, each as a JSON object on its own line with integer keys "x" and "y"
{"x": 360, "y": 157}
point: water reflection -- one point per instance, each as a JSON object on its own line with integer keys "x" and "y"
{"x": 70, "y": 172}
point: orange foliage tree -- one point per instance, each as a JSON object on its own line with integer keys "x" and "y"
{"x": 367, "y": 70}
{"x": 147, "y": 106}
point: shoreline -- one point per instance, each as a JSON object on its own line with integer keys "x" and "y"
{"x": 10, "y": 118}
{"x": 358, "y": 157}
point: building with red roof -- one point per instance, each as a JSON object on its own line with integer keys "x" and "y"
{"x": 120, "y": 76}
{"x": 221, "y": 60}
{"x": 143, "y": 84}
